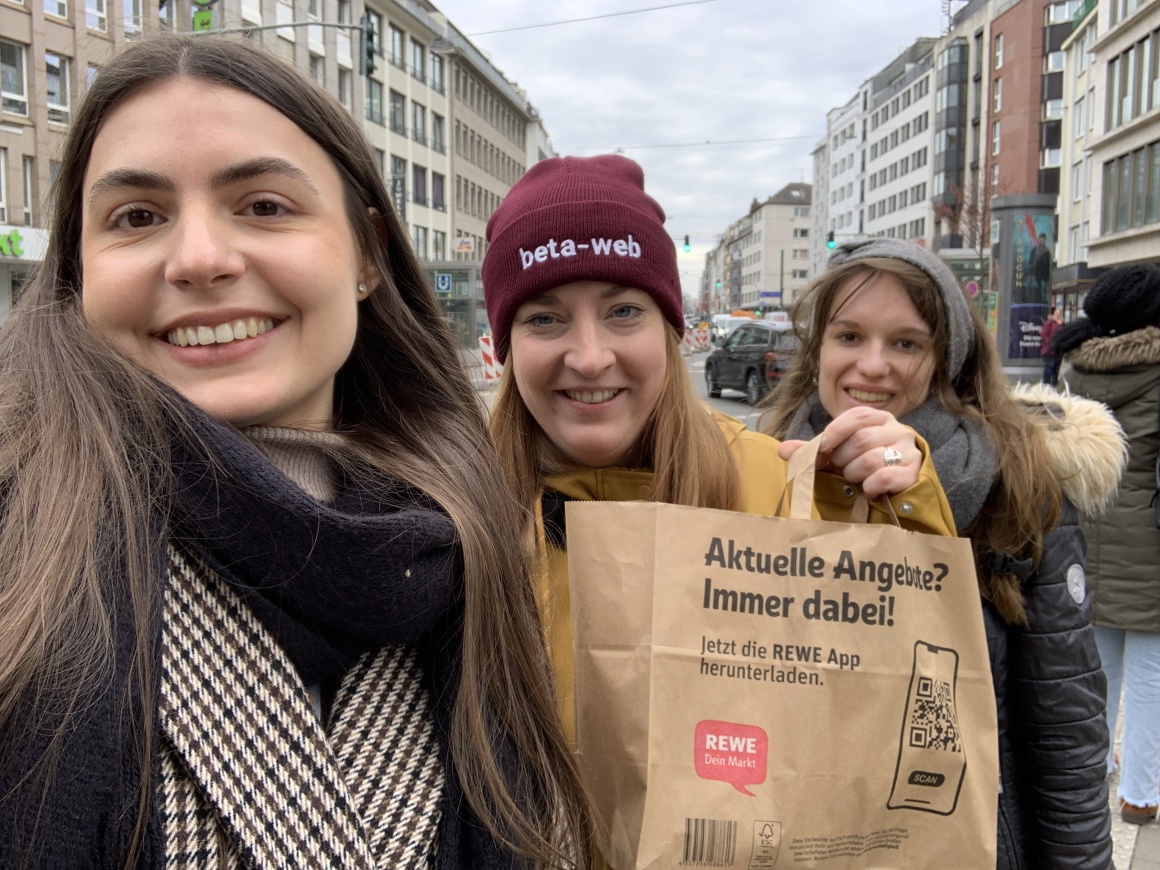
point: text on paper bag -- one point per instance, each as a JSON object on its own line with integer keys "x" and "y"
{"x": 730, "y": 752}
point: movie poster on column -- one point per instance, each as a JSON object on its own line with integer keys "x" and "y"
{"x": 1032, "y": 266}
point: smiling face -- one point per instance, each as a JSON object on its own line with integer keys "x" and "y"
{"x": 589, "y": 362}
{"x": 876, "y": 349}
{"x": 217, "y": 253}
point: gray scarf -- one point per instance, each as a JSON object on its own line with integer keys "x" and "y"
{"x": 961, "y": 451}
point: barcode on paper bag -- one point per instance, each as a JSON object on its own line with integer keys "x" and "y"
{"x": 710, "y": 843}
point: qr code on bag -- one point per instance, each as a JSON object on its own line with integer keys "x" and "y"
{"x": 933, "y": 723}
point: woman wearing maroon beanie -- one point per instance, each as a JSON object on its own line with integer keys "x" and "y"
{"x": 595, "y": 403}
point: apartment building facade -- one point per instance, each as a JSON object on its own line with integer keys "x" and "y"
{"x": 762, "y": 261}
{"x": 49, "y": 50}
{"x": 1125, "y": 155}
{"x": 898, "y": 147}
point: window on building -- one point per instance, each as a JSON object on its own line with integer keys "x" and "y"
{"x": 418, "y": 184}
{"x": 419, "y": 240}
{"x": 374, "y": 101}
{"x": 436, "y": 72}
{"x": 437, "y": 133}
{"x": 13, "y": 83}
{"x": 438, "y": 195}
{"x": 995, "y": 177}
{"x": 396, "y": 42}
{"x": 381, "y": 161}
{"x": 3, "y": 185}
{"x": 418, "y": 60}
{"x": 438, "y": 245}
{"x": 419, "y": 123}
{"x": 133, "y": 17}
{"x": 399, "y": 184}
{"x": 801, "y": 253}
{"x": 1055, "y": 61}
{"x": 997, "y": 96}
{"x": 801, "y": 233}
{"x": 801, "y": 211}
{"x": 96, "y": 17}
{"x": 318, "y": 69}
{"x": 28, "y": 185}
{"x": 398, "y": 110}
{"x": 344, "y": 86}
{"x": 56, "y": 89}
{"x": 995, "y": 135}
{"x": 999, "y": 51}
{"x": 59, "y": 8}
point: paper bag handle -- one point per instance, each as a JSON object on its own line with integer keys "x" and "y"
{"x": 802, "y": 475}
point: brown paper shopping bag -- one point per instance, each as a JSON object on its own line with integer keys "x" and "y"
{"x": 762, "y": 692}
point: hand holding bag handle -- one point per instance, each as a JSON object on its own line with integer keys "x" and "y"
{"x": 800, "y": 480}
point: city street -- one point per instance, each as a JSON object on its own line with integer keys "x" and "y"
{"x": 732, "y": 402}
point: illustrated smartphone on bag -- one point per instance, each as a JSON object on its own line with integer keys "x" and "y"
{"x": 931, "y": 761}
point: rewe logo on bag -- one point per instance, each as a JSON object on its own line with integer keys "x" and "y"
{"x": 570, "y": 248}
{"x": 731, "y": 752}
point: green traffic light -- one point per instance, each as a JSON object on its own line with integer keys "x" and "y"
{"x": 830, "y": 243}
{"x": 687, "y": 247}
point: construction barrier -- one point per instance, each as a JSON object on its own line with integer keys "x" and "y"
{"x": 688, "y": 343}
{"x": 701, "y": 339}
{"x": 492, "y": 367}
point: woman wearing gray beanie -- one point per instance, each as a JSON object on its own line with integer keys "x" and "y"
{"x": 887, "y": 326}
{"x": 1113, "y": 355}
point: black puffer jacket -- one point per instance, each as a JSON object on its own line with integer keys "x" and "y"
{"x": 1053, "y": 737}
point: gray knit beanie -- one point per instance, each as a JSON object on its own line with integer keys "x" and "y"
{"x": 962, "y": 331}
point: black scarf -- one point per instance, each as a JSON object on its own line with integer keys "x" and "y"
{"x": 381, "y": 566}
{"x": 960, "y": 449}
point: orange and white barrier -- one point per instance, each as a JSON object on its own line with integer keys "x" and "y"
{"x": 701, "y": 340}
{"x": 492, "y": 367}
{"x": 688, "y": 343}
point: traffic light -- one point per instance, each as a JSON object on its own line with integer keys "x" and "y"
{"x": 369, "y": 38}
{"x": 718, "y": 285}
{"x": 687, "y": 246}
{"x": 830, "y": 243}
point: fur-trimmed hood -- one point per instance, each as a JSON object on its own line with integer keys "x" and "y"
{"x": 1087, "y": 448}
{"x": 1114, "y": 352}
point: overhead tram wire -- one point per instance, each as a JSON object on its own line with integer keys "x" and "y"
{"x": 590, "y": 17}
{"x": 708, "y": 142}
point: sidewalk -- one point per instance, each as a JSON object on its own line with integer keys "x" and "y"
{"x": 1134, "y": 847}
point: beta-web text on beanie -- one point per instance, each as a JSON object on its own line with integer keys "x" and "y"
{"x": 570, "y": 248}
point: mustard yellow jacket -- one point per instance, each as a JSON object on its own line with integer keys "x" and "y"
{"x": 922, "y": 508}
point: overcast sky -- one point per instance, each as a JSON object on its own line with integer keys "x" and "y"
{"x": 722, "y": 71}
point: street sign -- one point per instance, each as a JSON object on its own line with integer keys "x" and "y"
{"x": 464, "y": 245}
{"x": 443, "y": 282}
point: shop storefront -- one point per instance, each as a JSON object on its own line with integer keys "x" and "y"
{"x": 21, "y": 251}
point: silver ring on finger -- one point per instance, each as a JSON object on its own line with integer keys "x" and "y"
{"x": 891, "y": 456}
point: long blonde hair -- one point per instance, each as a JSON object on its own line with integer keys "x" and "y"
{"x": 1025, "y": 499}
{"x": 691, "y": 460}
{"x": 87, "y": 482}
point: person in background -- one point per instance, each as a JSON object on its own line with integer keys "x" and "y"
{"x": 262, "y": 599}
{"x": 1113, "y": 356}
{"x": 1051, "y": 360}
{"x": 595, "y": 402}
{"x": 888, "y": 328}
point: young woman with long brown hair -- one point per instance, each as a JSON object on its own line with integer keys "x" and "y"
{"x": 595, "y": 402}
{"x": 261, "y": 597}
{"x": 887, "y": 327}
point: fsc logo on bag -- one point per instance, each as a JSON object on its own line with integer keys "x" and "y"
{"x": 730, "y": 752}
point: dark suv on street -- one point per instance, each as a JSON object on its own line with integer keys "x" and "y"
{"x": 752, "y": 359}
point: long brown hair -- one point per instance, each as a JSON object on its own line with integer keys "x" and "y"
{"x": 1025, "y": 499}
{"x": 691, "y": 460}
{"x": 85, "y": 471}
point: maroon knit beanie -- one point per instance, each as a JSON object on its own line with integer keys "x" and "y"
{"x": 577, "y": 219}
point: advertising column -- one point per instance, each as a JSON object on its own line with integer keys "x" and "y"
{"x": 1023, "y": 263}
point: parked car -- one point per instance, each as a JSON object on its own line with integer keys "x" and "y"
{"x": 752, "y": 358}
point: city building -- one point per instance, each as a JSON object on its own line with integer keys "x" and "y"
{"x": 897, "y": 147}
{"x": 1125, "y": 155}
{"x": 762, "y": 260}
{"x": 1076, "y": 209}
{"x": 819, "y": 225}
{"x": 49, "y": 50}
